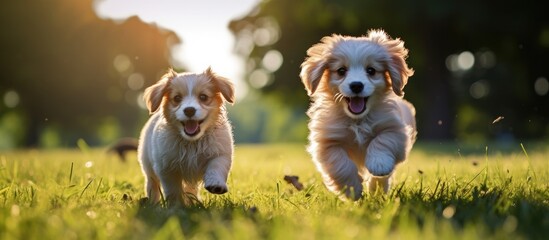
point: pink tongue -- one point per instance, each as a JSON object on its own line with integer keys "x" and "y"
{"x": 191, "y": 127}
{"x": 356, "y": 104}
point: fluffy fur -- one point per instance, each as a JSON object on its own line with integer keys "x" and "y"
{"x": 360, "y": 126}
{"x": 188, "y": 139}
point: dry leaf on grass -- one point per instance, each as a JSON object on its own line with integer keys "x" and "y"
{"x": 498, "y": 119}
{"x": 294, "y": 180}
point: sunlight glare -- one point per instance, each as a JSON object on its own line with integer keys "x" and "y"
{"x": 202, "y": 27}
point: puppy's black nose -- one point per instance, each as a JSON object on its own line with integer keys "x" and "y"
{"x": 356, "y": 87}
{"x": 189, "y": 112}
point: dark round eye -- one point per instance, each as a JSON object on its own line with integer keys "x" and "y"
{"x": 342, "y": 71}
{"x": 370, "y": 71}
{"x": 203, "y": 97}
{"x": 177, "y": 98}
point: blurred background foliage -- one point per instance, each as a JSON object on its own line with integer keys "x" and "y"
{"x": 474, "y": 61}
{"x": 67, "y": 74}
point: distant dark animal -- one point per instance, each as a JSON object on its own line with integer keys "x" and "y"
{"x": 122, "y": 146}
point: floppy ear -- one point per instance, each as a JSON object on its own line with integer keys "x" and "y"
{"x": 314, "y": 66}
{"x": 397, "y": 67}
{"x": 153, "y": 94}
{"x": 225, "y": 87}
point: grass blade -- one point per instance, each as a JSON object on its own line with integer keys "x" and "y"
{"x": 97, "y": 189}
{"x": 529, "y": 161}
{"x": 85, "y": 188}
{"x": 70, "y": 174}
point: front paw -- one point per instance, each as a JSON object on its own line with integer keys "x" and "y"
{"x": 217, "y": 189}
{"x": 348, "y": 190}
{"x": 353, "y": 193}
{"x": 380, "y": 166}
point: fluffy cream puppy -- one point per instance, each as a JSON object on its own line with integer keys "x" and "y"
{"x": 360, "y": 127}
{"x": 188, "y": 139}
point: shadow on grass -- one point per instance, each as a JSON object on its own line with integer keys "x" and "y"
{"x": 169, "y": 222}
{"x": 500, "y": 212}
{"x": 506, "y": 210}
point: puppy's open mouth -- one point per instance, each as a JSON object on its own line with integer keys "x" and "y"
{"x": 356, "y": 105}
{"x": 191, "y": 127}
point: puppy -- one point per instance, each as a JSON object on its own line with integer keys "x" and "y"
{"x": 188, "y": 139}
{"x": 360, "y": 126}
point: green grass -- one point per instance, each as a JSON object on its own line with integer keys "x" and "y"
{"x": 87, "y": 194}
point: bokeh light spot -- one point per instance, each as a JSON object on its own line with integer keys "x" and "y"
{"x": 259, "y": 78}
{"x": 449, "y": 212}
{"x": 11, "y": 99}
{"x": 136, "y": 81}
{"x": 451, "y": 63}
{"x": 272, "y": 60}
{"x": 486, "y": 59}
{"x": 262, "y": 37}
{"x": 466, "y": 60}
{"x": 140, "y": 101}
{"x": 510, "y": 224}
{"x": 245, "y": 42}
{"x": 122, "y": 63}
{"x": 541, "y": 86}
{"x": 88, "y": 164}
{"x": 479, "y": 89}
{"x": 268, "y": 32}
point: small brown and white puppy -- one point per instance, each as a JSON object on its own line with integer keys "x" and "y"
{"x": 360, "y": 126}
{"x": 188, "y": 139}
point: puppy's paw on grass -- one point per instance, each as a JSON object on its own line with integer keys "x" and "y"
{"x": 353, "y": 193}
{"x": 217, "y": 189}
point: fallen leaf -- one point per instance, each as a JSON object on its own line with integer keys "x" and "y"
{"x": 498, "y": 119}
{"x": 294, "y": 180}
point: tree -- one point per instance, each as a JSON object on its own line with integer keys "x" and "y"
{"x": 74, "y": 71}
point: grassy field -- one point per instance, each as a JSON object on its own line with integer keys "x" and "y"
{"x": 442, "y": 192}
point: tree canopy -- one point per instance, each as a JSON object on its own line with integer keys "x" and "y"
{"x": 75, "y": 73}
